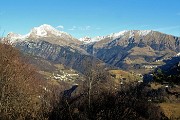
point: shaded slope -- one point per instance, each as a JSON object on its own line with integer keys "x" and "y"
{"x": 131, "y": 48}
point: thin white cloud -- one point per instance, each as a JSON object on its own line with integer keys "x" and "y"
{"x": 142, "y": 26}
{"x": 73, "y": 28}
{"x": 84, "y": 28}
{"x": 87, "y": 27}
{"x": 60, "y": 27}
{"x": 178, "y": 14}
{"x": 167, "y": 28}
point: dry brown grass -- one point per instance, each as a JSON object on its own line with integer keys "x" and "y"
{"x": 119, "y": 74}
{"x": 156, "y": 85}
{"x": 23, "y": 94}
{"x": 171, "y": 110}
{"x": 148, "y": 51}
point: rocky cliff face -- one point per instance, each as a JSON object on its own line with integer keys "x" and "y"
{"x": 131, "y": 49}
{"x": 74, "y": 58}
{"x": 54, "y": 45}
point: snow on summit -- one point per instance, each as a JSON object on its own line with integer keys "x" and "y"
{"x": 87, "y": 39}
{"x": 13, "y": 37}
{"x": 129, "y": 33}
{"x": 44, "y": 30}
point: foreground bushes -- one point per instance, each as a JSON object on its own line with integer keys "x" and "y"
{"x": 23, "y": 95}
{"x": 22, "y": 91}
{"x": 172, "y": 79}
{"x": 127, "y": 104}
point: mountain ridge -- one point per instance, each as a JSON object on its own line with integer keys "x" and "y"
{"x": 129, "y": 49}
{"x": 132, "y": 49}
{"x": 42, "y": 31}
{"x": 131, "y": 33}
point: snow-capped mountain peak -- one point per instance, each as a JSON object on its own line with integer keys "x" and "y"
{"x": 85, "y": 39}
{"x": 124, "y": 33}
{"x": 130, "y": 33}
{"x": 11, "y": 34}
{"x": 13, "y": 37}
{"x": 42, "y": 31}
{"x": 115, "y": 35}
{"x": 144, "y": 32}
{"x": 45, "y": 30}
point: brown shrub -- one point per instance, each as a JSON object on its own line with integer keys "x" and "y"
{"x": 23, "y": 95}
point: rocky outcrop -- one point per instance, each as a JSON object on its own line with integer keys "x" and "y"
{"x": 129, "y": 48}
{"x": 66, "y": 55}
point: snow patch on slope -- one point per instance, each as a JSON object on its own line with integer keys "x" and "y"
{"x": 116, "y": 35}
{"x": 144, "y": 32}
{"x": 127, "y": 33}
{"x": 87, "y": 39}
{"x": 13, "y": 37}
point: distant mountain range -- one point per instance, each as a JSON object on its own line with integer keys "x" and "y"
{"x": 130, "y": 49}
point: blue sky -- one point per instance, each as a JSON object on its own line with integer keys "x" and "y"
{"x": 90, "y": 17}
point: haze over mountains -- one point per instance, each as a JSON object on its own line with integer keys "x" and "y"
{"x": 129, "y": 49}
